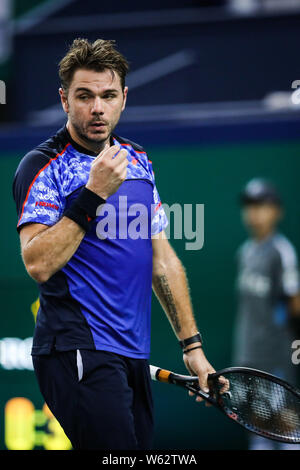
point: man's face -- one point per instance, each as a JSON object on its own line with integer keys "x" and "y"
{"x": 94, "y": 104}
{"x": 261, "y": 218}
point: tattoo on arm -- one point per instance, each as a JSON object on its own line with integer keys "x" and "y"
{"x": 164, "y": 294}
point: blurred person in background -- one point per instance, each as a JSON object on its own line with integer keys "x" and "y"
{"x": 268, "y": 292}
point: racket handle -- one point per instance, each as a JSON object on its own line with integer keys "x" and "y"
{"x": 159, "y": 374}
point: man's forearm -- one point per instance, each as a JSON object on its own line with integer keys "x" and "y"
{"x": 51, "y": 249}
{"x": 171, "y": 288}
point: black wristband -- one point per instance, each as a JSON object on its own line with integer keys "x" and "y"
{"x": 185, "y": 351}
{"x": 193, "y": 339}
{"x": 84, "y": 209}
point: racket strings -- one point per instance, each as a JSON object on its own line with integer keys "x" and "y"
{"x": 262, "y": 405}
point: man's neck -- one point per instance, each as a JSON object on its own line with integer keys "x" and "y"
{"x": 262, "y": 236}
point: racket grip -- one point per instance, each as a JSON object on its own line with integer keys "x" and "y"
{"x": 162, "y": 375}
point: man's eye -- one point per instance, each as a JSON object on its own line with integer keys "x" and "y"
{"x": 83, "y": 97}
{"x": 110, "y": 96}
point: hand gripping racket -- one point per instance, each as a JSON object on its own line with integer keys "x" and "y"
{"x": 260, "y": 402}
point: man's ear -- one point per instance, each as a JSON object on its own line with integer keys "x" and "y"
{"x": 64, "y": 100}
{"x": 125, "y": 97}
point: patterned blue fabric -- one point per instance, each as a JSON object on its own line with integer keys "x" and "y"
{"x": 68, "y": 171}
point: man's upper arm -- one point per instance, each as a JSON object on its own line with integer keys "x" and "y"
{"x": 35, "y": 191}
{"x": 288, "y": 267}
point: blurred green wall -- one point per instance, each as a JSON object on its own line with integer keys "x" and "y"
{"x": 212, "y": 176}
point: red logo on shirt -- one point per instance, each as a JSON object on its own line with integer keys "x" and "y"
{"x": 46, "y": 204}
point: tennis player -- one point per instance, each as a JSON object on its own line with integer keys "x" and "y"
{"x": 268, "y": 290}
{"x": 77, "y": 198}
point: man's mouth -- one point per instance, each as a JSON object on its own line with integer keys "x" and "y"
{"x": 98, "y": 125}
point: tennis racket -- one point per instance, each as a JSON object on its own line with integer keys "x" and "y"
{"x": 260, "y": 402}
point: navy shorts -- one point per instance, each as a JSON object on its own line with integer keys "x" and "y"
{"x": 101, "y": 399}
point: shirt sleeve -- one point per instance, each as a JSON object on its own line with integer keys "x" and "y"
{"x": 290, "y": 282}
{"x": 36, "y": 192}
{"x": 159, "y": 219}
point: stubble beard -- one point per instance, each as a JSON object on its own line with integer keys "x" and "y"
{"x": 96, "y": 140}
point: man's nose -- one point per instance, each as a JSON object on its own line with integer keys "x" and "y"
{"x": 97, "y": 106}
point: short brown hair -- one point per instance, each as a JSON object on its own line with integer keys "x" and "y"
{"x": 97, "y": 56}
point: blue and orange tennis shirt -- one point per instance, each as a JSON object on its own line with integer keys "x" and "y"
{"x": 101, "y": 299}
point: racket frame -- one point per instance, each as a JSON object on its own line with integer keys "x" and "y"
{"x": 191, "y": 383}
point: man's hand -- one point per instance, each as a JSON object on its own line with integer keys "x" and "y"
{"x": 197, "y": 364}
{"x": 108, "y": 171}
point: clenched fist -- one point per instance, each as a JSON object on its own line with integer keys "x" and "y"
{"x": 108, "y": 171}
